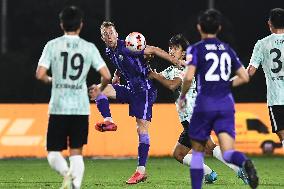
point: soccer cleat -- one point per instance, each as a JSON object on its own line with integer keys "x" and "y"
{"x": 136, "y": 178}
{"x": 242, "y": 175}
{"x": 105, "y": 126}
{"x": 210, "y": 178}
{"x": 67, "y": 182}
{"x": 251, "y": 174}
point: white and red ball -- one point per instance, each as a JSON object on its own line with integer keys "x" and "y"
{"x": 135, "y": 42}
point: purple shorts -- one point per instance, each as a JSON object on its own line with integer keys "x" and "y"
{"x": 202, "y": 123}
{"x": 140, "y": 102}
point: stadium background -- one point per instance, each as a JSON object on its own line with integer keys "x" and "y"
{"x": 30, "y": 24}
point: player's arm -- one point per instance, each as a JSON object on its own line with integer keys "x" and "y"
{"x": 251, "y": 70}
{"x": 170, "y": 84}
{"x": 151, "y": 50}
{"x": 41, "y": 74}
{"x": 105, "y": 77}
{"x": 242, "y": 77}
{"x": 187, "y": 80}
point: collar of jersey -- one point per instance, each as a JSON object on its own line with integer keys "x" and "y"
{"x": 71, "y": 36}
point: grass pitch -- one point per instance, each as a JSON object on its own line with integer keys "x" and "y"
{"x": 164, "y": 173}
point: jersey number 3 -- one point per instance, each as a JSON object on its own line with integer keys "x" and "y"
{"x": 221, "y": 63}
{"x": 78, "y": 67}
{"x": 276, "y": 60}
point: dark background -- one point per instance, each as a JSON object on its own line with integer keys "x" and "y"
{"x": 31, "y": 23}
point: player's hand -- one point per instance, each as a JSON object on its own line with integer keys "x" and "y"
{"x": 182, "y": 103}
{"x": 115, "y": 79}
{"x": 94, "y": 91}
{"x": 152, "y": 73}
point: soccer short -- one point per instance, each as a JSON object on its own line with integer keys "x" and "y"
{"x": 202, "y": 123}
{"x": 276, "y": 114}
{"x": 67, "y": 130}
{"x": 184, "y": 137}
{"x": 140, "y": 102}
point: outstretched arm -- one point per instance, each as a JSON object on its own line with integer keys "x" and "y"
{"x": 151, "y": 50}
{"x": 170, "y": 84}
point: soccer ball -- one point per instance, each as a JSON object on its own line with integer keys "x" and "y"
{"x": 135, "y": 42}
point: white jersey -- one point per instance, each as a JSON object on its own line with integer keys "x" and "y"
{"x": 269, "y": 53}
{"x": 70, "y": 58}
{"x": 173, "y": 72}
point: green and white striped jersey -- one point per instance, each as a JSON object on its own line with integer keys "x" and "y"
{"x": 173, "y": 72}
{"x": 70, "y": 58}
{"x": 269, "y": 53}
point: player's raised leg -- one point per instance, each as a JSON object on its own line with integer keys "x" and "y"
{"x": 102, "y": 102}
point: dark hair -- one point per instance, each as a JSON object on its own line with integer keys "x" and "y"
{"x": 177, "y": 40}
{"x": 276, "y": 18}
{"x": 71, "y": 18}
{"x": 210, "y": 20}
{"x": 106, "y": 24}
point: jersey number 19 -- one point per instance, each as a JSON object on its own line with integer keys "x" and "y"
{"x": 78, "y": 67}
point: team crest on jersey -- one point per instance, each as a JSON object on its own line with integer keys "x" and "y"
{"x": 120, "y": 57}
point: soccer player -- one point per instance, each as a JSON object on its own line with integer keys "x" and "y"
{"x": 269, "y": 52}
{"x": 69, "y": 57}
{"x": 212, "y": 62}
{"x": 171, "y": 78}
{"x": 139, "y": 93}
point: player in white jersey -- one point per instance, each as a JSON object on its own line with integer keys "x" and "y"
{"x": 171, "y": 78}
{"x": 69, "y": 57}
{"x": 269, "y": 53}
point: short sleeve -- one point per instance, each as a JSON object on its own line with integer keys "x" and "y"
{"x": 96, "y": 58}
{"x": 191, "y": 56}
{"x": 257, "y": 55}
{"x": 45, "y": 59}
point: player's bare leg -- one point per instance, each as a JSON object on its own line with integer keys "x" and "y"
{"x": 183, "y": 155}
{"x": 102, "y": 102}
{"x": 280, "y": 134}
{"x": 237, "y": 158}
{"x": 143, "y": 149}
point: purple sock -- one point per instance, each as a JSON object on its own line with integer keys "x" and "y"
{"x": 234, "y": 157}
{"x": 196, "y": 169}
{"x": 103, "y": 105}
{"x": 143, "y": 149}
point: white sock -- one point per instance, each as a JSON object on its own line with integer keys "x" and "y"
{"x": 108, "y": 119}
{"x": 77, "y": 169}
{"x": 57, "y": 162}
{"x": 141, "y": 169}
{"x": 187, "y": 159}
{"x": 218, "y": 154}
{"x": 283, "y": 143}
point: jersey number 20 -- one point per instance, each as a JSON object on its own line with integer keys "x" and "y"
{"x": 78, "y": 67}
{"x": 221, "y": 63}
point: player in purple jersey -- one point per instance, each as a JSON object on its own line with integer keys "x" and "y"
{"x": 212, "y": 62}
{"x": 139, "y": 93}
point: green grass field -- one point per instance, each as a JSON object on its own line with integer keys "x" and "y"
{"x": 163, "y": 173}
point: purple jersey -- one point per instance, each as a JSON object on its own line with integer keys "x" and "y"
{"x": 132, "y": 67}
{"x": 215, "y": 62}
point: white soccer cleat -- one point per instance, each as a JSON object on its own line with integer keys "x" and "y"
{"x": 67, "y": 181}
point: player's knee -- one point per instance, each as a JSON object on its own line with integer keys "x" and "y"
{"x": 52, "y": 156}
{"x": 178, "y": 155}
